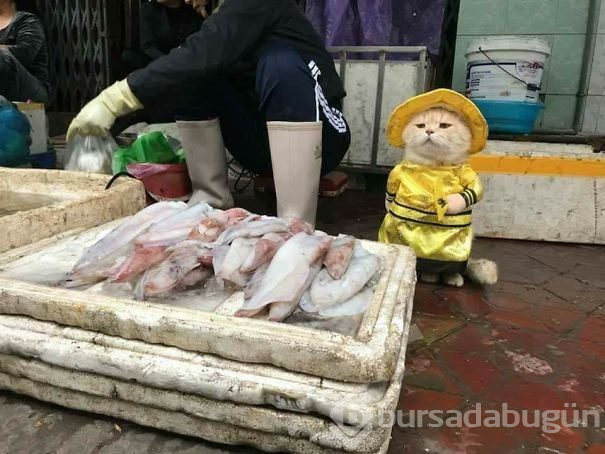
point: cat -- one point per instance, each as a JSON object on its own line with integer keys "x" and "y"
{"x": 437, "y": 147}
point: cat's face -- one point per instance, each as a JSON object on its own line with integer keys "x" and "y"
{"x": 437, "y": 137}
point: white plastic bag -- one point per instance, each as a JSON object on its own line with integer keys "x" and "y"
{"x": 91, "y": 154}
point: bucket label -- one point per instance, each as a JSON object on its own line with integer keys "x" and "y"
{"x": 505, "y": 81}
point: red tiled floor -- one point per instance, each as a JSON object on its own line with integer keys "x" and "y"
{"x": 476, "y": 372}
{"x": 425, "y": 399}
{"x": 531, "y": 395}
{"x": 435, "y": 328}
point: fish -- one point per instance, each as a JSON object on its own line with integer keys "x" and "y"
{"x": 252, "y": 227}
{"x": 195, "y": 277}
{"x": 327, "y": 292}
{"x": 287, "y": 275}
{"x": 297, "y": 225}
{"x": 339, "y": 256}
{"x": 140, "y": 261}
{"x": 264, "y": 250}
{"x": 306, "y": 303}
{"x": 98, "y": 261}
{"x": 165, "y": 276}
{"x": 255, "y": 281}
{"x": 229, "y": 267}
{"x": 209, "y": 229}
{"x": 357, "y": 305}
{"x": 281, "y": 310}
{"x": 174, "y": 229}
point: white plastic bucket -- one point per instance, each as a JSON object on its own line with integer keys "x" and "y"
{"x": 506, "y": 68}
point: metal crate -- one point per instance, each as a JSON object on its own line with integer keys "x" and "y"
{"x": 374, "y": 88}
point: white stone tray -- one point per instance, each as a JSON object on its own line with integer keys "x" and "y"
{"x": 81, "y": 202}
{"x": 368, "y": 357}
{"x": 194, "y": 394}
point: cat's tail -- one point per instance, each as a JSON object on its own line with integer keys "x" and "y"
{"x": 482, "y": 271}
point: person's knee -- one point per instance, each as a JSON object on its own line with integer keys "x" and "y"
{"x": 281, "y": 65}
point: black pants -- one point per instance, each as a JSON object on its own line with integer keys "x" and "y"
{"x": 285, "y": 90}
{"x": 17, "y": 83}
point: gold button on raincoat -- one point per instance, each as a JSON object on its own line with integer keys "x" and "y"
{"x": 417, "y": 214}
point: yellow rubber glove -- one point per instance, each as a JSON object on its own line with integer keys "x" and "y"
{"x": 99, "y": 115}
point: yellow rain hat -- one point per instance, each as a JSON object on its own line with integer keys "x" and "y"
{"x": 402, "y": 115}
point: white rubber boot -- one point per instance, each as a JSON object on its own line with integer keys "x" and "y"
{"x": 207, "y": 162}
{"x": 296, "y": 160}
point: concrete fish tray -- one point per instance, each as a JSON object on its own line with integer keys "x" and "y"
{"x": 37, "y": 204}
{"x": 368, "y": 355}
{"x": 187, "y": 393}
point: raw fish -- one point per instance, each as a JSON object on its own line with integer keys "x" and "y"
{"x": 165, "y": 276}
{"x": 287, "y": 275}
{"x": 174, "y": 229}
{"x": 306, "y": 304}
{"x": 339, "y": 256}
{"x": 255, "y": 281}
{"x": 230, "y": 265}
{"x": 327, "y": 292}
{"x": 298, "y": 225}
{"x": 355, "y": 306}
{"x": 252, "y": 227}
{"x": 281, "y": 310}
{"x": 264, "y": 250}
{"x": 99, "y": 260}
{"x": 141, "y": 260}
{"x": 195, "y": 277}
{"x": 209, "y": 229}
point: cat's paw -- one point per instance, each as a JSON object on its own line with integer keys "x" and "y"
{"x": 453, "y": 280}
{"x": 429, "y": 278}
{"x": 455, "y": 204}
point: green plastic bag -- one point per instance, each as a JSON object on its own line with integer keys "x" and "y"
{"x": 149, "y": 148}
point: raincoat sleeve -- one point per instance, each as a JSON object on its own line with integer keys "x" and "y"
{"x": 392, "y": 186}
{"x": 473, "y": 188}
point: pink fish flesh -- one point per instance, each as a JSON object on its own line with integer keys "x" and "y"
{"x": 97, "y": 261}
{"x": 141, "y": 260}
{"x": 264, "y": 250}
{"x": 339, "y": 256}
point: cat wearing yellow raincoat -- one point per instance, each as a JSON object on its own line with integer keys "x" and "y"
{"x": 431, "y": 193}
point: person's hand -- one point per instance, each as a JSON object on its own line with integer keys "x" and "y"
{"x": 455, "y": 204}
{"x": 98, "y": 116}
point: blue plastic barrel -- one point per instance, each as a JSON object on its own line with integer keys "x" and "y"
{"x": 510, "y": 117}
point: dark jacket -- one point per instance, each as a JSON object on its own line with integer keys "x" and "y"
{"x": 162, "y": 29}
{"x": 227, "y": 45}
{"x": 25, "y": 38}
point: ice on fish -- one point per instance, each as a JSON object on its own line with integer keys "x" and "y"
{"x": 230, "y": 265}
{"x": 99, "y": 260}
{"x": 287, "y": 275}
{"x": 140, "y": 261}
{"x": 327, "y": 292}
{"x": 175, "y": 228}
{"x": 339, "y": 256}
{"x": 264, "y": 250}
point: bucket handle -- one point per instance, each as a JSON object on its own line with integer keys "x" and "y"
{"x": 530, "y": 86}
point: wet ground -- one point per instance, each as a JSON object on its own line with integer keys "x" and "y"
{"x": 535, "y": 341}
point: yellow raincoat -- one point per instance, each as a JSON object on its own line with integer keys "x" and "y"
{"x": 417, "y": 214}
